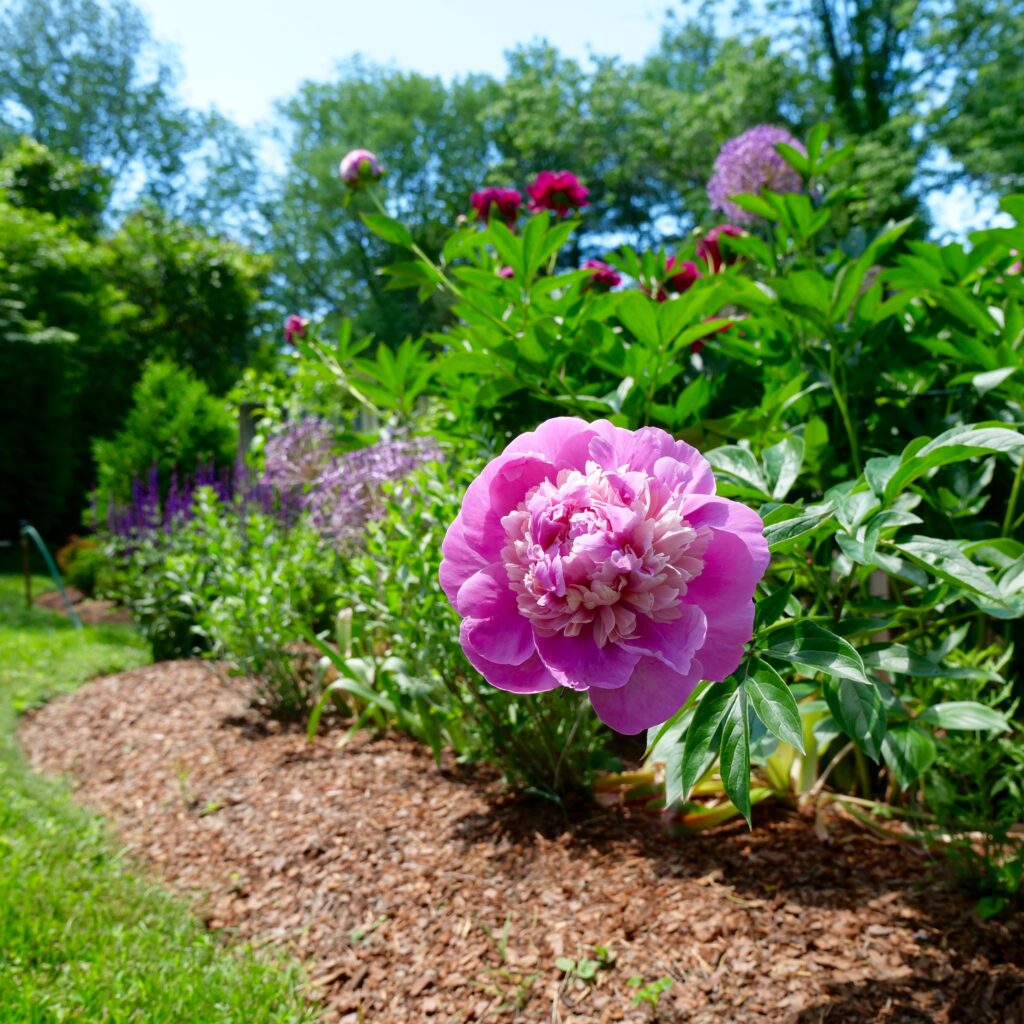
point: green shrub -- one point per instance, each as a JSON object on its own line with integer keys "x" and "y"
{"x": 82, "y": 561}
{"x": 273, "y": 584}
{"x": 174, "y": 424}
{"x": 232, "y": 582}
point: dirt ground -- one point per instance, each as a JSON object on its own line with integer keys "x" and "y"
{"x": 424, "y": 894}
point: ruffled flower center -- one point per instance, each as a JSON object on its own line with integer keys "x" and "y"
{"x": 596, "y": 550}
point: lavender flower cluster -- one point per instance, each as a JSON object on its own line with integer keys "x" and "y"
{"x": 349, "y": 492}
{"x": 748, "y": 163}
{"x": 147, "y": 513}
{"x": 340, "y": 493}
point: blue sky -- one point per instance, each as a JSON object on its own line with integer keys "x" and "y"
{"x": 241, "y": 55}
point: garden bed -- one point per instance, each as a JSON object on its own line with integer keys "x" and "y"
{"x": 422, "y": 893}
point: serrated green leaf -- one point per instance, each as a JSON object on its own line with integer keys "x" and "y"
{"x": 782, "y": 462}
{"x": 788, "y": 522}
{"x": 955, "y": 445}
{"x": 388, "y": 228}
{"x": 638, "y": 317}
{"x": 734, "y": 752}
{"x": 698, "y": 752}
{"x": 770, "y": 609}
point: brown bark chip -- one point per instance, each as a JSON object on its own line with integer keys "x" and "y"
{"x": 421, "y": 894}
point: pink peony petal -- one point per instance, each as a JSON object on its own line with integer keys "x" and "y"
{"x": 577, "y": 661}
{"x": 559, "y": 440}
{"x": 728, "y": 516}
{"x": 724, "y": 592}
{"x": 530, "y": 677}
{"x": 653, "y": 694}
{"x": 654, "y": 451}
{"x": 493, "y": 626}
{"x": 494, "y": 493}
{"x": 459, "y": 561}
{"x": 675, "y": 643}
{"x": 691, "y": 476}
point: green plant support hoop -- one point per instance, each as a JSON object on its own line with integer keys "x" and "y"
{"x": 28, "y": 530}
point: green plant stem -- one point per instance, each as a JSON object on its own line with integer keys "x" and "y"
{"x": 844, "y": 412}
{"x": 932, "y": 627}
{"x": 568, "y": 742}
{"x": 841, "y": 603}
{"x": 513, "y": 740}
{"x": 442, "y": 277}
{"x": 863, "y": 779}
{"x": 1011, "y": 505}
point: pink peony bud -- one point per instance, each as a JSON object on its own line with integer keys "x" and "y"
{"x": 506, "y": 272}
{"x": 504, "y": 202}
{"x": 294, "y": 326}
{"x": 360, "y": 167}
{"x": 559, "y": 191}
{"x": 709, "y": 250}
{"x": 600, "y": 559}
{"x": 603, "y": 278}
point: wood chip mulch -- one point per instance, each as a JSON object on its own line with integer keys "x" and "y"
{"x": 418, "y": 893}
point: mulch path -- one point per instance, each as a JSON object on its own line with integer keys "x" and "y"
{"x": 396, "y": 880}
{"x": 91, "y": 611}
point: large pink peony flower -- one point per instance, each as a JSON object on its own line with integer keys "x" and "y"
{"x": 600, "y": 559}
{"x": 559, "y": 191}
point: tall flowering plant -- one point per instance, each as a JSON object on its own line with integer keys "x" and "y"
{"x": 879, "y": 551}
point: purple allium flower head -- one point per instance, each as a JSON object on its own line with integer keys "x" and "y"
{"x": 600, "y": 559}
{"x": 298, "y": 456}
{"x": 359, "y": 167}
{"x": 603, "y": 278}
{"x": 748, "y": 163}
{"x": 349, "y": 491}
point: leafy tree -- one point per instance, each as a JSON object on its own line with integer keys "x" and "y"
{"x": 197, "y": 296}
{"x": 42, "y": 179}
{"x": 66, "y": 368}
{"x": 979, "y": 121}
{"x": 80, "y": 314}
{"x": 86, "y": 77}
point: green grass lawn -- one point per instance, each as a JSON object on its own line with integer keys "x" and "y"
{"x": 83, "y": 937}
